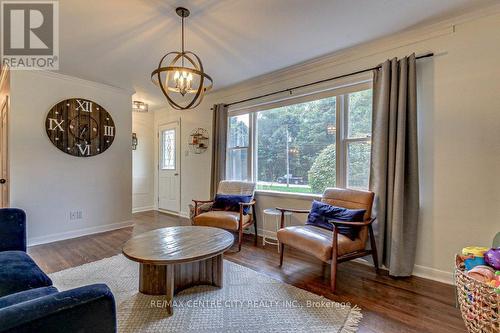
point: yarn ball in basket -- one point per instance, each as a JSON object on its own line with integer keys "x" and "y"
{"x": 492, "y": 258}
{"x": 482, "y": 273}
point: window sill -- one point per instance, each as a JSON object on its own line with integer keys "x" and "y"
{"x": 290, "y": 195}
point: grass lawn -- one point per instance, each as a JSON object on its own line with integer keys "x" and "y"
{"x": 283, "y": 188}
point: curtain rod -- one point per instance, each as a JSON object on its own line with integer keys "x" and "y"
{"x": 427, "y": 55}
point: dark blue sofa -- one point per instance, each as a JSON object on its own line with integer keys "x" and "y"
{"x": 29, "y": 302}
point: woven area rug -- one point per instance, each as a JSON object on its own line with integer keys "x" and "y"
{"x": 248, "y": 302}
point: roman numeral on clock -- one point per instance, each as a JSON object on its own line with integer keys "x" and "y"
{"x": 109, "y": 130}
{"x": 55, "y": 124}
{"x": 85, "y": 106}
{"x": 84, "y": 149}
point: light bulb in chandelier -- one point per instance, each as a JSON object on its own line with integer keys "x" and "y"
{"x": 183, "y": 83}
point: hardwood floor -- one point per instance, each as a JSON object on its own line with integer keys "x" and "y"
{"x": 388, "y": 304}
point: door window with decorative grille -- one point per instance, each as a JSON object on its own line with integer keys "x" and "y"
{"x": 168, "y": 149}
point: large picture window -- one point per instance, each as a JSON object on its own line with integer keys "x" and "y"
{"x": 304, "y": 147}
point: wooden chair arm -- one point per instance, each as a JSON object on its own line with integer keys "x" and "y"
{"x": 202, "y": 201}
{"x": 245, "y": 204}
{"x": 352, "y": 224}
{"x": 291, "y": 210}
{"x": 242, "y": 205}
{"x": 283, "y": 210}
{"x": 197, "y": 202}
{"x": 251, "y": 203}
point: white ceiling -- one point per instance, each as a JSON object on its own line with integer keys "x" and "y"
{"x": 119, "y": 42}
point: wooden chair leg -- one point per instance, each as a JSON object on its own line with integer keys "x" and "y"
{"x": 282, "y": 251}
{"x": 333, "y": 274}
{"x": 333, "y": 266}
{"x": 255, "y": 232}
{"x": 240, "y": 238}
{"x": 373, "y": 245}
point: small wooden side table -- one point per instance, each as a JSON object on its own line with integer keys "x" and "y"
{"x": 275, "y": 215}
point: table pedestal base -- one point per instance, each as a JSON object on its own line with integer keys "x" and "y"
{"x": 170, "y": 279}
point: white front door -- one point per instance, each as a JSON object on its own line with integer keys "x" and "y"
{"x": 169, "y": 186}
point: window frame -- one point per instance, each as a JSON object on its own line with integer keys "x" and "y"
{"x": 342, "y": 139}
{"x": 248, "y": 147}
{"x": 346, "y": 140}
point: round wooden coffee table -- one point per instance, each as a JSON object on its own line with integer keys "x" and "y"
{"x": 175, "y": 258}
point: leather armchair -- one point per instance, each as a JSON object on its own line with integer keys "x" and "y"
{"x": 204, "y": 215}
{"x": 330, "y": 246}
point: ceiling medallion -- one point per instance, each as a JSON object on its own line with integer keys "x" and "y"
{"x": 183, "y": 75}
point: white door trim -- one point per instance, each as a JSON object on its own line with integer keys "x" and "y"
{"x": 4, "y": 134}
{"x": 178, "y": 147}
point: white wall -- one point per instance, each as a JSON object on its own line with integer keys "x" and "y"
{"x": 459, "y": 126}
{"x": 143, "y": 162}
{"x": 48, "y": 183}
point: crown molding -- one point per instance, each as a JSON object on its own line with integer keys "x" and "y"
{"x": 368, "y": 49}
{"x": 83, "y": 82}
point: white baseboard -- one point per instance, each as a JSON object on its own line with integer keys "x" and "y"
{"x": 180, "y": 214}
{"x": 433, "y": 274}
{"x": 77, "y": 233}
{"x": 148, "y": 208}
{"x": 142, "y": 209}
{"x": 423, "y": 272}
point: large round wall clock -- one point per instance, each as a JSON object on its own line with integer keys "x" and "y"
{"x": 80, "y": 127}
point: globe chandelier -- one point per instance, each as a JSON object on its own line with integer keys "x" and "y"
{"x": 180, "y": 75}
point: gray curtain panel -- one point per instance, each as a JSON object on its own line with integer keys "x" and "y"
{"x": 394, "y": 164}
{"x": 219, "y": 132}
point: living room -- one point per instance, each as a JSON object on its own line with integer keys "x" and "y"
{"x": 227, "y": 166}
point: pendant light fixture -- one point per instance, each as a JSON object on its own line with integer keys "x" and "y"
{"x": 183, "y": 76}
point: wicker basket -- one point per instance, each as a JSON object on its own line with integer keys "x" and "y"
{"x": 479, "y": 303}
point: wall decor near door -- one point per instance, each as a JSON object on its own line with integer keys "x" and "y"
{"x": 80, "y": 127}
{"x": 198, "y": 140}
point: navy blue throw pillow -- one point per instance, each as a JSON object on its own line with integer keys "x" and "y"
{"x": 231, "y": 202}
{"x": 322, "y": 212}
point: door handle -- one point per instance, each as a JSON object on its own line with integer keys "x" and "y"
{"x": 3, "y": 181}
{"x": 176, "y": 174}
